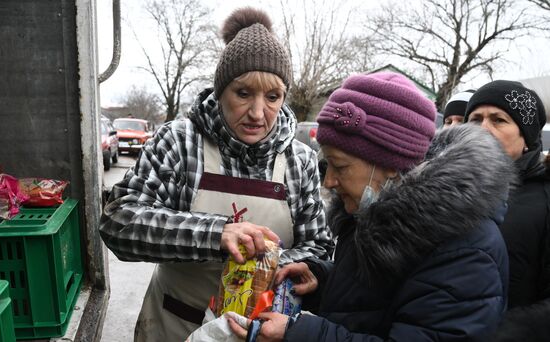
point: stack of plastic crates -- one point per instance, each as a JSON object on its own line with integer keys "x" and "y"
{"x": 40, "y": 257}
{"x": 6, "y": 318}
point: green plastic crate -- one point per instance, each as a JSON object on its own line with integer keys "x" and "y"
{"x": 40, "y": 257}
{"x": 7, "y": 333}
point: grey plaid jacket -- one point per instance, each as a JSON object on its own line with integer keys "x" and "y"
{"x": 148, "y": 217}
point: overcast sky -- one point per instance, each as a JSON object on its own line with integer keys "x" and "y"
{"x": 529, "y": 60}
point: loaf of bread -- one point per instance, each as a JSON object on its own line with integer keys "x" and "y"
{"x": 242, "y": 285}
{"x": 263, "y": 277}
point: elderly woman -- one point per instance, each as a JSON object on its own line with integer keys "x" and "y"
{"x": 515, "y": 116}
{"x": 419, "y": 255}
{"x": 230, "y": 174}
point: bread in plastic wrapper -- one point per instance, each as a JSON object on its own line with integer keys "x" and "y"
{"x": 242, "y": 285}
{"x": 42, "y": 192}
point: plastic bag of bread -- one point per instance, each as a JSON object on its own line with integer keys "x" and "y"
{"x": 242, "y": 285}
{"x": 42, "y": 192}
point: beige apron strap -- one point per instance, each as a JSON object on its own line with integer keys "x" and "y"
{"x": 279, "y": 168}
{"x": 211, "y": 156}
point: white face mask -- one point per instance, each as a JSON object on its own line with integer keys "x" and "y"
{"x": 369, "y": 194}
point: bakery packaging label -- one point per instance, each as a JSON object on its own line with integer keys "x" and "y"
{"x": 237, "y": 284}
{"x": 242, "y": 285}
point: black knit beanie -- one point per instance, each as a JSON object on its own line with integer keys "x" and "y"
{"x": 522, "y": 104}
{"x": 457, "y": 103}
{"x": 251, "y": 46}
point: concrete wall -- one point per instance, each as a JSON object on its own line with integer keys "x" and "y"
{"x": 49, "y": 118}
{"x": 39, "y": 98}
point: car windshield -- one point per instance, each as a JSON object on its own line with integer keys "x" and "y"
{"x": 128, "y": 124}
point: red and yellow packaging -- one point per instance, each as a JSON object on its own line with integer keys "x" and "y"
{"x": 242, "y": 286}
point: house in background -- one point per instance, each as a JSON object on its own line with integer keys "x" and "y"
{"x": 429, "y": 92}
{"x": 116, "y": 112}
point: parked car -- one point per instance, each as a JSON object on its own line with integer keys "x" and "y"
{"x": 306, "y": 132}
{"x": 132, "y": 134}
{"x": 109, "y": 144}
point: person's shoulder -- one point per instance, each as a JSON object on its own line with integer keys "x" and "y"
{"x": 485, "y": 237}
{"x": 301, "y": 150}
{"x": 480, "y": 251}
{"x": 179, "y": 124}
{"x": 176, "y": 128}
{"x": 538, "y": 186}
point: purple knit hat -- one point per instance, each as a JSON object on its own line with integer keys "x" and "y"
{"x": 381, "y": 118}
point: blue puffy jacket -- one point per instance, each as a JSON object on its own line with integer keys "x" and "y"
{"x": 426, "y": 262}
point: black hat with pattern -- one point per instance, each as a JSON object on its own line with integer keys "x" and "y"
{"x": 522, "y": 104}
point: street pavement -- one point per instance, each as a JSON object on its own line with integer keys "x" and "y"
{"x": 128, "y": 280}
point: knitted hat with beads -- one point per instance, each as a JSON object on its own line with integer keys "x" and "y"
{"x": 381, "y": 117}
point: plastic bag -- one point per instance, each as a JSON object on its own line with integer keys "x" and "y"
{"x": 217, "y": 329}
{"x": 10, "y": 196}
{"x": 42, "y": 192}
{"x": 243, "y": 285}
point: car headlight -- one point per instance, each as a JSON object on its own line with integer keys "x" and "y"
{"x": 135, "y": 141}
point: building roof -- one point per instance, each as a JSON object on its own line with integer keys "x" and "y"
{"x": 429, "y": 92}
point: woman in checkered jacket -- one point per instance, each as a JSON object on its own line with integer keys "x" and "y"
{"x": 230, "y": 174}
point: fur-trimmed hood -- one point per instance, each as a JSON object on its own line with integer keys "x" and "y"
{"x": 464, "y": 178}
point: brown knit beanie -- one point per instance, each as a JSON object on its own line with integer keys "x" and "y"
{"x": 251, "y": 46}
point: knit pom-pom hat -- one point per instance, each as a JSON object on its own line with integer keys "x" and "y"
{"x": 250, "y": 46}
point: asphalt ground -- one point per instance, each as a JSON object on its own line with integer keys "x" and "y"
{"x": 128, "y": 280}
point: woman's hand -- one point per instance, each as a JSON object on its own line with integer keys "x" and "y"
{"x": 274, "y": 326}
{"x": 236, "y": 328}
{"x": 250, "y": 235}
{"x": 304, "y": 280}
{"x": 272, "y": 330}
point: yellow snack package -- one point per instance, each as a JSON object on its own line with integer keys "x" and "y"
{"x": 242, "y": 285}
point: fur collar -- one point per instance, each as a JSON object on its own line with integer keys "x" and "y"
{"x": 464, "y": 178}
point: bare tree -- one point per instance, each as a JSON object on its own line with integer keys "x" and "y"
{"x": 185, "y": 35}
{"x": 324, "y": 50}
{"x": 451, "y": 38}
{"x": 544, "y": 4}
{"x": 143, "y": 104}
